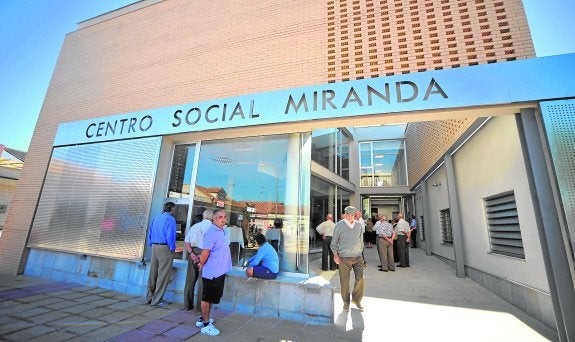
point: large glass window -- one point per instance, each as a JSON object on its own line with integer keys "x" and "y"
{"x": 326, "y": 198}
{"x": 179, "y": 189}
{"x": 330, "y": 148}
{"x": 382, "y": 163}
{"x": 263, "y": 184}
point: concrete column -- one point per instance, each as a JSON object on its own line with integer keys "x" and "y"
{"x": 426, "y": 218}
{"x": 290, "y": 234}
{"x": 547, "y": 217}
{"x": 455, "y": 218}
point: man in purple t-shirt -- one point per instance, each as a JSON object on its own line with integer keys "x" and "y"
{"x": 215, "y": 261}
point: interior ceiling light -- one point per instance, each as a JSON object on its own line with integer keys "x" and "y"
{"x": 223, "y": 160}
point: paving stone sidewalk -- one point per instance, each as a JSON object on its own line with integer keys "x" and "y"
{"x": 424, "y": 302}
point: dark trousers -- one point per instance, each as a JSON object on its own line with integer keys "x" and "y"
{"x": 403, "y": 250}
{"x": 192, "y": 276}
{"x": 345, "y": 267}
{"x": 395, "y": 252}
{"x": 414, "y": 238}
{"x": 327, "y": 253}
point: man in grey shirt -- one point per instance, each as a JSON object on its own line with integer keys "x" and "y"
{"x": 347, "y": 247}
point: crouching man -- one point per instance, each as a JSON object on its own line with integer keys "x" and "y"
{"x": 265, "y": 264}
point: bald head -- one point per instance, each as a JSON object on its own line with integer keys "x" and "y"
{"x": 328, "y": 217}
{"x": 399, "y": 216}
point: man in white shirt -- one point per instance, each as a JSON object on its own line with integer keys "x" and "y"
{"x": 403, "y": 234}
{"x": 326, "y": 230}
{"x": 193, "y": 242}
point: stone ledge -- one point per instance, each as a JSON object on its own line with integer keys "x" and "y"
{"x": 290, "y": 296}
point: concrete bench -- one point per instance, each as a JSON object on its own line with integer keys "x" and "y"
{"x": 290, "y": 296}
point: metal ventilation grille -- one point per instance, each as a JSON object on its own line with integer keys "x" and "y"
{"x": 446, "y": 231}
{"x": 503, "y": 224}
{"x": 96, "y": 199}
{"x": 421, "y": 228}
{"x": 427, "y": 141}
{"x": 559, "y": 118}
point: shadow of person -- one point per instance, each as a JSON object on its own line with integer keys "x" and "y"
{"x": 349, "y": 330}
{"x": 357, "y": 323}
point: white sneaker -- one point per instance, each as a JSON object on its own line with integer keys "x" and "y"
{"x": 200, "y": 322}
{"x": 210, "y": 330}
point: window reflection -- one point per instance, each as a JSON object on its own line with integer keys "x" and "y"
{"x": 181, "y": 174}
{"x": 330, "y": 148}
{"x": 382, "y": 163}
{"x": 257, "y": 180}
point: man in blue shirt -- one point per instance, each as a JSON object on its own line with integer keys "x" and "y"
{"x": 265, "y": 262}
{"x": 162, "y": 239}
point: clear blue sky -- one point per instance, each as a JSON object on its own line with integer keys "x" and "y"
{"x": 32, "y": 33}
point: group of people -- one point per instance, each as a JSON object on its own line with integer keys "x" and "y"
{"x": 343, "y": 248}
{"x": 209, "y": 259}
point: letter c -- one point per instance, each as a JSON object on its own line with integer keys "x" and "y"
{"x": 208, "y": 111}
{"x": 88, "y": 135}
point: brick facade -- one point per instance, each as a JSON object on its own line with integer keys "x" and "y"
{"x": 179, "y": 51}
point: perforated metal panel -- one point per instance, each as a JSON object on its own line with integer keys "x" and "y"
{"x": 559, "y": 119}
{"x": 427, "y": 141}
{"x": 96, "y": 199}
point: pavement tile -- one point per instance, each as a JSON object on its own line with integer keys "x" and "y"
{"x": 229, "y": 325}
{"x": 73, "y": 295}
{"x": 50, "y": 316}
{"x": 85, "y": 327}
{"x": 180, "y": 316}
{"x": 182, "y": 332}
{"x": 162, "y": 338}
{"x": 138, "y": 309}
{"x": 29, "y": 314}
{"x": 88, "y": 299}
{"x": 157, "y": 327}
{"x": 104, "y": 302}
{"x": 133, "y": 336}
{"x": 67, "y": 322}
{"x": 29, "y": 333}
{"x": 96, "y": 312}
{"x": 8, "y": 328}
{"x": 47, "y": 301}
{"x": 79, "y": 308}
{"x": 255, "y": 331}
{"x": 155, "y": 314}
{"x": 95, "y": 290}
{"x": 116, "y": 317}
{"x": 125, "y": 297}
{"x": 108, "y": 294}
{"x": 8, "y": 304}
{"x": 265, "y": 321}
{"x": 107, "y": 332}
{"x": 240, "y": 317}
{"x": 34, "y": 298}
{"x": 55, "y": 336}
{"x": 121, "y": 305}
{"x": 61, "y": 305}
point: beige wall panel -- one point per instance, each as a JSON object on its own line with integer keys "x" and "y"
{"x": 492, "y": 163}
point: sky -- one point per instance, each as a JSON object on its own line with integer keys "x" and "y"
{"x": 32, "y": 33}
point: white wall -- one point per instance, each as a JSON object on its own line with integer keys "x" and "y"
{"x": 438, "y": 200}
{"x": 490, "y": 163}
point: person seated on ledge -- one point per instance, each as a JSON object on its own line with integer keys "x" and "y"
{"x": 265, "y": 264}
